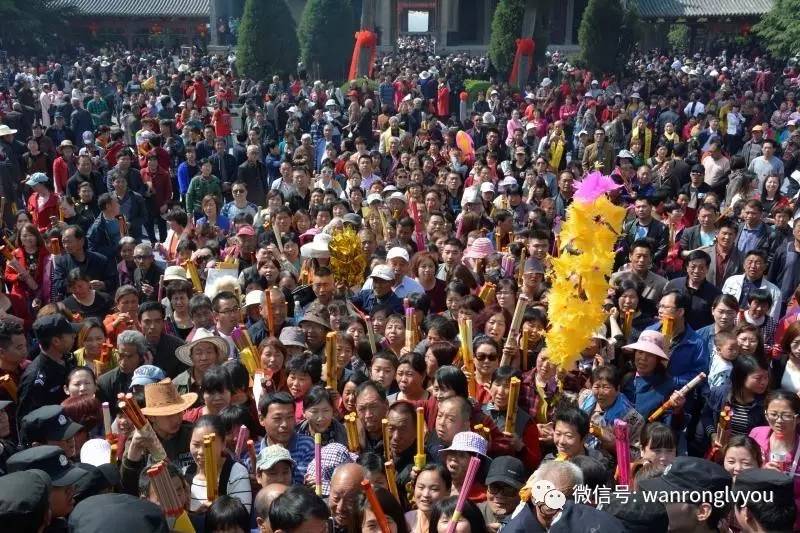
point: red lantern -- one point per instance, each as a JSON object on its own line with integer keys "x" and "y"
{"x": 155, "y": 29}
{"x": 201, "y": 29}
{"x": 463, "y": 96}
{"x": 93, "y": 28}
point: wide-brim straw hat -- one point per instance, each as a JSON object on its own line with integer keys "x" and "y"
{"x": 162, "y": 399}
{"x": 183, "y": 353}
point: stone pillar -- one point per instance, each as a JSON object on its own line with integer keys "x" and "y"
{"x": 444, "y": 23}
{"x": 569, "y": 31}
{"x": 212, "y": 15}
{"x": 368, "y": 15}
{"x": 384, "y": 21}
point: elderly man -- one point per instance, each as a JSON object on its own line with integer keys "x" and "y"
{"x": 254, "y": 174}
{"x": 402, "y": 285}
{"x": 133, "y": 352}
{"x": 505, "y": 477}
{"x": 163, "y": 347}
{"x": 276, "y": 416}
{"x": 258, "y": 331}
{"x": 379, "y": 292}
{"x": 147, "y": 273}
{"x": 345, "y": 489}
{"x": 262, "y": 503}
{"x": 371, "y": 407}
{"x": 205, "y": 351}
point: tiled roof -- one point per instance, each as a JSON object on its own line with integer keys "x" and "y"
{"x": 651, "y": 9}
{"x": 140, "y": 8}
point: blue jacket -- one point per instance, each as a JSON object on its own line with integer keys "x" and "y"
{"x": 648, "y": 393}
{"x": 367, "y": 301}
{"x": 689, "y": 356}
{"x": 101, "y": 240}
{"x": 185, "y": 175}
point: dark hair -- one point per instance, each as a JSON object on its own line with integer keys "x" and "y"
{"x": 780, "y": 394}
{"x": 574, "y": 417}
{"x": 658, "y": 436}
{"x": 9, "y": 329}
{"x": 608, "y": 373}
{"x": 302, "y": 364}
{"x": 388, "y": 356}
{"x": 145, "y": 481}
{"x": 179, "y": 287}
{"x": 217, "y": 379}
{"x": 105, "y": 200}
{"x": 391, "y": 508}
{"x": 470, "y": 513}
{"x": 420, "y": 302}
{"x": 196, "y": 303}
{"x": 370, "y": 384}
{"x": 746, "y": 442}
{"x": 443, "y": 325}
{"x": 503, "y": 374}
{"x": 240, "y": 378}
{"x": 444, "y": 352}
{"x": 743, "y": 366}
{"x": 81, "y": 369}
{"x": 694, "y": 255}
{"x": 151, "y": 306}
{"x": 457, "y": 286}
{"x": 234, "y": 416}
{"x": 682, "y": 299}
{"x": 211, "y": 421}
{"x": 277, "y": 398}
{"x": 440, "y": 469}
{"x": 371, "y": 462}
{"x": 757, "y": 252}
{"x": 595, "y": 474}
{"x": 761, "y": 296}
{"x": 643, "y": 243}
{"x": 416, "y": 361}
{"x": 453, "y": 379}
{"x": 317, "y": 395}
{"x": 225, "y": 513}
{"x": 299, "y": 503}
{"x": 224, "y": 295}
{"x": 727, "y": 300}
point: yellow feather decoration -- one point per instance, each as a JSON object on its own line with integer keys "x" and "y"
{"x": 348, "y": 261}
{"x": 579, "y": 274}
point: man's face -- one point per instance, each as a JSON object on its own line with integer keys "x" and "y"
{"x": 768, "y": 150}
{"x": 16, "y": 350}
{"x": 725, "y": 238}
{"x": 684, "y": 517}
{"x": 279, "y": 423}
{"x": 152, "y": 325}
{"x": 640, "y": 259}
{"x": 502, "y": 499}
{"x": 401, "y": 431}
{"x": 62, "y": 500}
{"x": 751, "y": 216}
{"x": 323, "y": 287}
{"x": 203, "y": 318}
{"x": 129, "y": 359}
{"x": 227, "y": 314}
{"x": 696, "y": 271}
{"x": 754, "y": 267}
{"x": 381, "y": 287}
{"x": 399, "y": 267}
{"x": 84, "y": 165}
{"x": 435, "y": 223}
{"x": 643, "y": 210}
{"x": 451, "y": 255}
{"x": 706, "y": 218}
{"x": 565, "y": 184}
{"x": 537, "y": 248}
{"x": 143, "y": 259}
{"x": 449, "y": 421}
{"x": 567, "y": 439}
{"x": 71, "y": 244}
{"x": 280, "y": 472}
{"x": 371, "y": 409}
{"x": 343, "y": 499}
{"x": 315, "y": 334}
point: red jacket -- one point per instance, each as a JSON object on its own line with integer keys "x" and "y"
{"x": 18, "y": 287}
{"x": 41, "y": 215}
{"x": 162, "y": 185}
{"x": 60, "y": 174}
{"x": 197, "y": 92}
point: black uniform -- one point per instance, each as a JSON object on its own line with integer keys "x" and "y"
{"x": 42, "y": 383}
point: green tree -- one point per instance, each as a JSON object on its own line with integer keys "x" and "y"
{"x": 678, "y": 38}
{"x": 267, "y": 40}
{"x": 780, "y": 28}
{"x": 326, "y": 39}
{"x": 31, "y": 25}
{"x": 506, "y": 29}
{"x": 607, "y": 35}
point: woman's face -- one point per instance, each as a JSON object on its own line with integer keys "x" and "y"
{"x": 94, "y": 341}
{"x": 179, "y": 301}
{"x": 645, "y": 362}
{"x": 349, "y": 397}
{"x": 210, "y": 209}
{"x": 431, "y": 364}
{"x": 781, "y": 417}
{"x": 461, "y": 527}
{"x": 382, "y": 371}
{"x": 453, "y": 302}
{"x": 356, "y": 330}
{"x": 757, "y": 381}
{"x": 196, "y": 444}
{"x": 662, "y": 457}
{"x": 772, "y": 184}
{"x": 426, "y": 269}
{"x": 319, "y": 417}
{"x": 605, "y": 393}
{"x": 428, "y": 490}
{"x": 130, "y": 304}
{"x": 737, "y": 460}
{"x": 748, "y": 342}
{"x": 126, "y": 251}
{"x": 394, "y": 332}
{"x": 80, "y": 288}
{"x": 291, "y": 251}
{"x": 408, "y": 379}
{"x": 28, "y": 239}
{"x": 496, "y": 327}
{"x": 22, "y": 219}
{"x": 486, "y": 360}
{"x": 81, "y": 384}
{"x": 302, "y": 223}
{"x": 272, "y": 359}
{"x": 506, "y": 298}
{"x": 217, "y": 401}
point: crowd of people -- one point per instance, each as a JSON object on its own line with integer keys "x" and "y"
{"x": 184, "y": 347}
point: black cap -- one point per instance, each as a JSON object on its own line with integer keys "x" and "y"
{"x": 766, "y": 481}
{"x": 688, "y": 474}
{"x": 508, "y": 470}
{"x": 533, "y": 265}
{"x": 51, "y": 460}
{"x": 96, "y": 480}
{"x": 636, "y": 514}
{"x": 23, "y": 496}
{"x": 48, "y": 423}
{"x": 698, "y": 168}
{"x": 50, "y": 326}
{"x": 120, "y": 512}
{"x": 577, "y": 518}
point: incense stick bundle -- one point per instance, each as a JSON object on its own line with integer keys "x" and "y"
{"x": 107, "y": 420}
{"x": 278, "y": 241}
{"x": 466, "y": 486}
{"x": 391, "y": 479}
{"x": 123, "y": 225}
{"x": 686, "y": 389}
{"x": 623, "y": 447}
{"x": 465, "y": 334}
{"x": 352, "y": 432}
{"x": 10, "y": 387}
{"x": 251, "y": 454}
{"x": 627, "y": 325}
{"x": 487, "y": 293}
{"x": 513, "y": 404}
{"x": 411, "y": 330}
{"x": 524, "y": 347}
{"x": 165, "y": 491}
{"x": 194, "y": 276}
{"x": 371, "y": 334}
{"x": 160, "y": 287}
{"x": 241, "y": 441}
{"x": 55, "y": 246}
{"x": 210, "y": 466}
{"x": 270, "y": 312}
{"x": 387, "y": 450}
{"x": 516, "y": 321}
{"x": 667, "y": 329}
{"x": 420, "y": 458}
{"x": 7, "y": 253}
{"x": 131, "y": 410}
{"x": 318, "y": 463}
{"x": 331, "y": 368}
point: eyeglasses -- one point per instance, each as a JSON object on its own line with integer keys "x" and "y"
{"x": 502, "y": 490}
{"x": 783, "y": 417}
{"x": 483, "y": 356}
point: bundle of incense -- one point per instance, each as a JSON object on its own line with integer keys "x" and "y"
{"x": 411, "y": 333}
{"x": 7, "y": 253}
{"x": 508, "y": 265}
{"x": 524, "y": 347}
{"x": 278, "y": 240}
{"x": 194, "y": 276}
{"x": 123, "y": 225}
{"x": 13, "y": 210}
{"x": 352, "y": 432}
{"x": 241, "y": 441}
{"x": 387, "y": 450}
{"x": 270, "y": 312}
{"x": 561, "y": 456}
{"x": 9, "y": 386}
{"x": 465, "y": 334}
{"x": 55, "y": 246}
{"x": 469, "y": 479}
{"x": 391, "y": 479}
{"x": 511, "y": 410}
{"x": 595, "y": 430}
{"x": 160, "y": 287}
{"x": 159, "y": 478}
{"x": 107, "y": 420}
{"x": 723, "y": 433}
{"x": 371, "y": 334}
{"x": 623, "y": 446}
{"x": 8, "y": 243}
{"x": 132, "y": 412}
{"x": 487, "y": 293}
{"x": 318, "y": 463}
{"x": 667, "y": 329}
{"x": 486, "y": 433}
{"x": 375, "y": 505}
{"x": 521, "y": 269}
{"x": 658, "y": 413}
{"x": 331, "y": 368}
{"x": 384, "y": 225}
{"x": 112, "y": 455}
{"x": 519, "y": 312}
{"x": 627, "y": 325}
{"x": 251, "y": 454}
{"x": 210, "y": 466}
{"x": 420, "y": 459}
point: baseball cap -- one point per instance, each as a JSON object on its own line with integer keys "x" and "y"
{"x": 271, "y": 455}
{"x": 765, "y": 481}
{"x": 533, "y": 265}
{"x": 397, "y": 196}
{"x": 50, "y": 326}
{"x": 757, "y": 127}
{"x": 374, "y": 197}
{"x": 293, "y": 336}
{"x": 246, "y": 230}
{"x": 37, "y": 178}
{"x": 352, "y": 218}
{"x": 23, "y": 495}
{"x": 697, "y": 168}
{"x": 687, "y": 474}
{"x": 51, "y": 460}
{"x": 398, "y": 252}
{"x": 383, "y": 272}
{"x": 121, "y": 512}
{"x": 507, "y": 470}
{"x": 487, "y": 187}
{"x": 254, "y": 298}
{"x": 146, "y": 375}
{"x": 88, "y": 138}
{"x": 48, "y": 423}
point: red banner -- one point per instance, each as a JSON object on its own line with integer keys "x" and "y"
{"x": 365, "y": 48}
{"x": 523, "y": 61}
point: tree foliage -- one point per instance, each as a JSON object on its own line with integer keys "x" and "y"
{"x": 31, "y": 25}
{"x": 608, "y": 33}
{"x": 506, "y": 29}
{"x": 267, "y": 40}
{"x": 780, "y": 28}
{"x": 678, "y": 38}
{"x": 326, "y": 39}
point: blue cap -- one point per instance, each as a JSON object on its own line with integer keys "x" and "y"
{"x": 146, "y": 375}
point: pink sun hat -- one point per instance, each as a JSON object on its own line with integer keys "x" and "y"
{"x": 650, "y": 341}
{"x": 481, "y": 248}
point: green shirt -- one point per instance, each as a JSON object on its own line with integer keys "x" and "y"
{"x": 198, "y": 189}
{"x": 96, "y": 108}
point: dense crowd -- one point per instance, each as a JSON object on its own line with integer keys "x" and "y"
{"x": 284, "y": 305}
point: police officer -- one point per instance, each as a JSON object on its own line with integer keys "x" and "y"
{"x": 49, "y": 425}
{"x": 63, "y": 476}
{"x": 43, "y": 381}
{"x": 119, "y": 512}
{"x": 25, "y": 500}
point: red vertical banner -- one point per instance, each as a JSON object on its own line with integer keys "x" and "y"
{"x": 523, "y": 62}
{"x": 364, "y": 53}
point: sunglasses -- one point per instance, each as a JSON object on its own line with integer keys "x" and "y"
{"x": 482, "y": 356}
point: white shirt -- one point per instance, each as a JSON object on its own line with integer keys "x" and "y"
{"x": 699, "y": 108}
{"x": 791, "y": 378}
{"x": 406, "y": 287}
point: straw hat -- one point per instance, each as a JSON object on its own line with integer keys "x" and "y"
{"x": 175, "y": 273}
{"x": 162, "y": 399}
{"x": 650, "y": 341}
{"x": 183, "y": 353}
